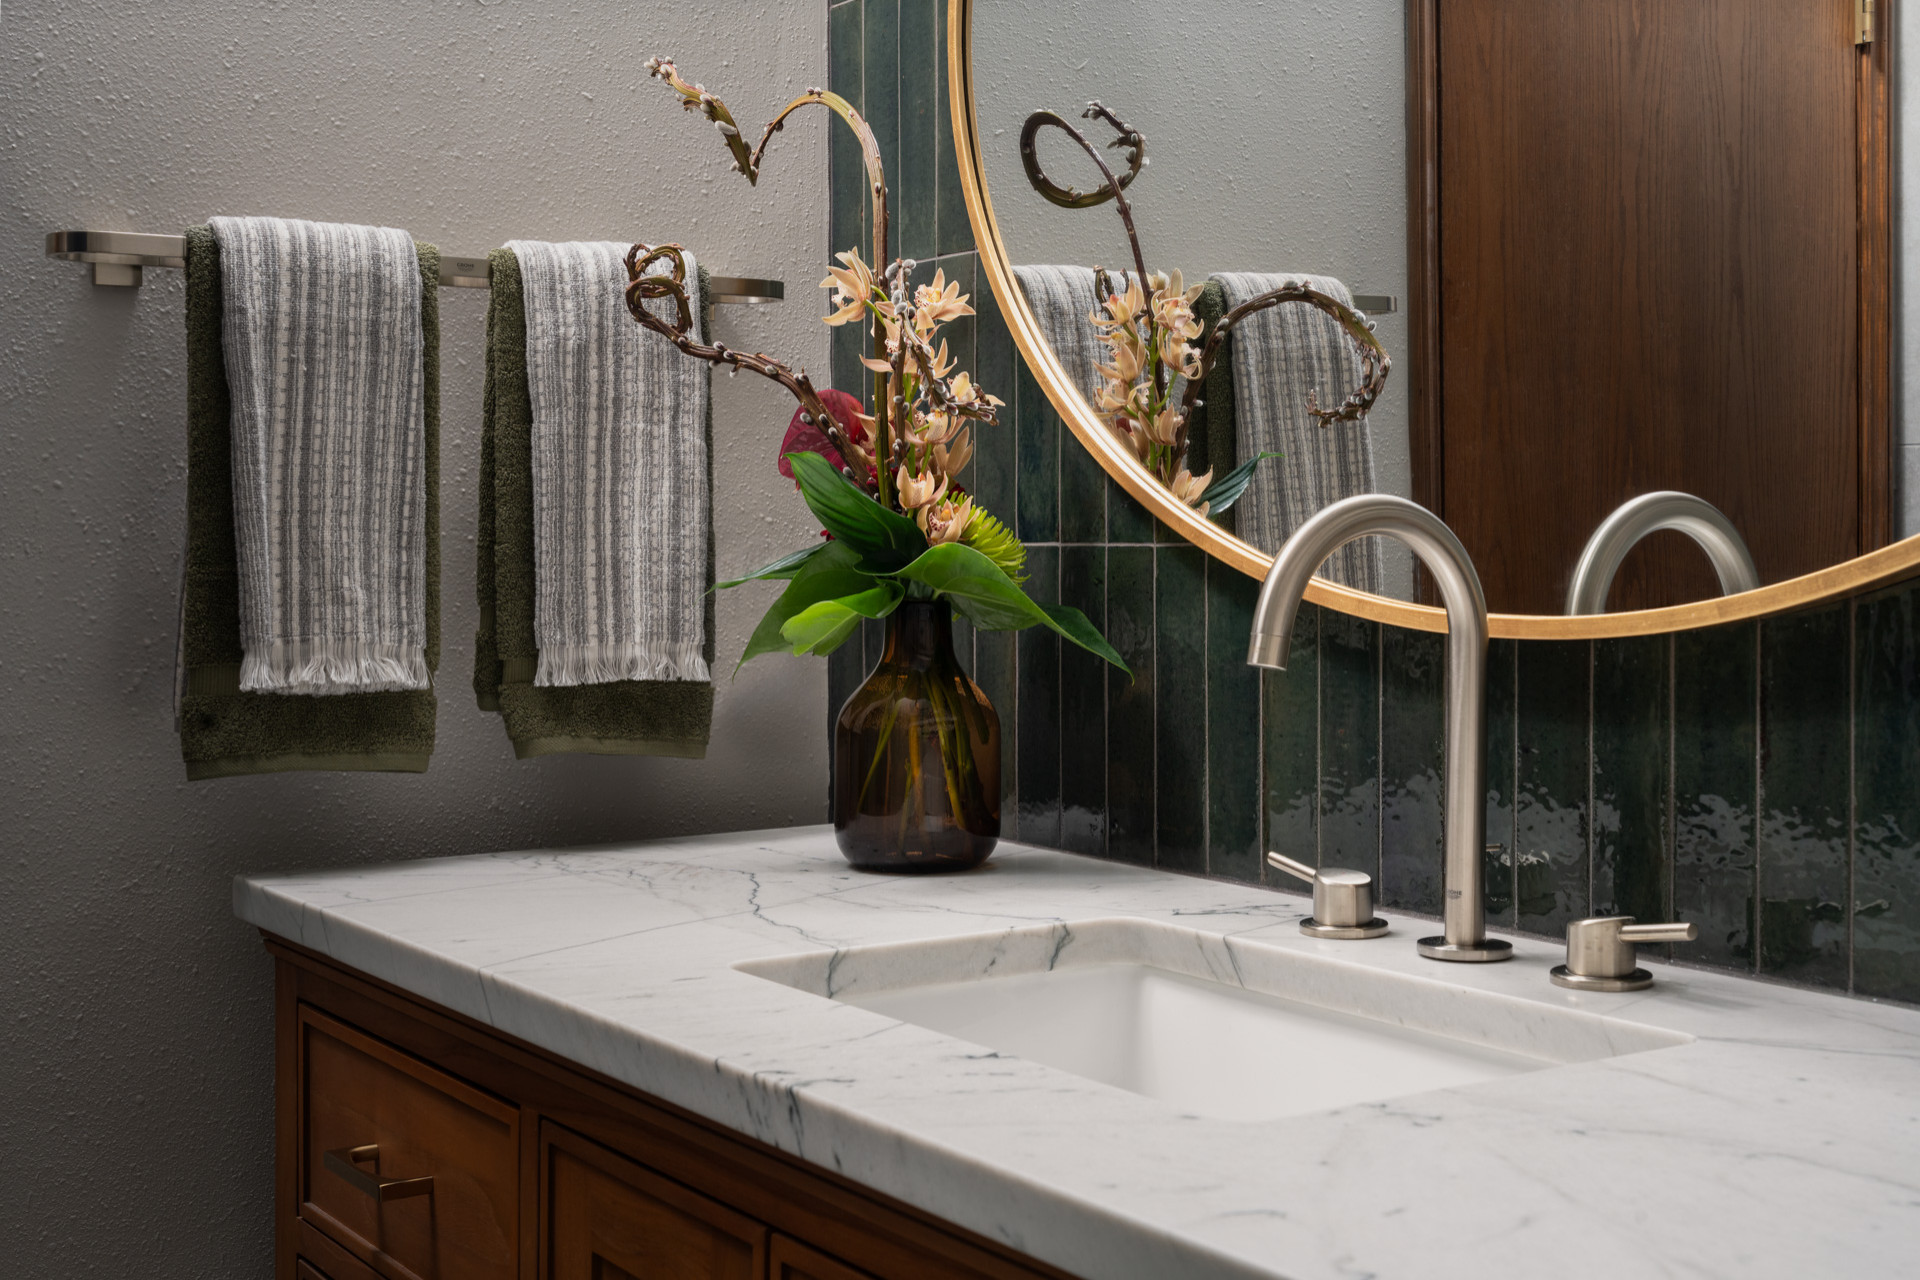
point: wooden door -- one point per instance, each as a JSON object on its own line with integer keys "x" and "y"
{"x": 606, "y": 1218}
{"x": 1649, "y": 253}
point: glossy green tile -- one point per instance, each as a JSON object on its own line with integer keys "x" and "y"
{"x": 1550, "y": 811}
{"x": 1180, "y": 694}
{"x": 1804, "y": 786}
{"x": 1413, "y": 730}
{"x": 1290, "y": 732}
{"x": 1131, "y": 738}
{"x": 1083, "y": 708}
{"x": 1349, "y": 742}
{"x": 880, "y": 49}
{"x": 1083, "y": 492}
{"x": 1886, "y": 886}
{"x": 1501, "y": 867}
{"x": 1127, "y": 520}
{"x": 1715, "y": 779}
{"x": 848, "y": 204}
{"x": 1039, "y": 457}
{"x": 1233, "y": 728}
{"x": 996, "y": 457}
{"x": 954, "y": 234}
{"x": 915, "y": 187}
{"x": 1631, "y": 844}
{"x": 995, "y": 670}
{"x": 1037, "y": 696}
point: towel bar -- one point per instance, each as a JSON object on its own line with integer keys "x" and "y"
{"x": 119, "y": 256}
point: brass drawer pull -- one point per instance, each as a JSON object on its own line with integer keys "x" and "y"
{"x": 346, "y": 1161}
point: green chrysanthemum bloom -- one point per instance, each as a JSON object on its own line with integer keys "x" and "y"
{"x": 996, "y": 542}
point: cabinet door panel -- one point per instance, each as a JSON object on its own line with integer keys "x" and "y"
{"x": 795, "y": 1261}
{"x": 605, "y": 1218}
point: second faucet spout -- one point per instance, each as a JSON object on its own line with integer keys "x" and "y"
{"x": 1379, "y": 514}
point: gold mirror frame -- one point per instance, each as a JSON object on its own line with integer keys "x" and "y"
{"x": 1876, "y": 568}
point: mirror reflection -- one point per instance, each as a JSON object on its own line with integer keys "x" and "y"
{"x": 1646, "y": 378}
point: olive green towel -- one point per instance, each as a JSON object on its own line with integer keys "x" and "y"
{"x": 1212, "y": 434}
{"x": 224, "y": 732}
{"x": 622, "y": 717}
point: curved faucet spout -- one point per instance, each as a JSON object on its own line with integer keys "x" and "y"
{"x": 1649, "y": 513}
{"x": 1384, "y": 515}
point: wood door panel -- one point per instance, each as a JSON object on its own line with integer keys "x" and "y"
{"x": 607, "y": 1218}
{"x": 1648, "y": 280}
{"x": 791, "y": 1260}
{"x": 357, "y": 1091}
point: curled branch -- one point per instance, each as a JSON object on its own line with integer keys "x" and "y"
{"x": 644, "y": 285}
{"x": 1374, "y": 361}
{"x": 1111, "y": 188}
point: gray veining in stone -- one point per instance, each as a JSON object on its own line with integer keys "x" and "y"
{"x": 1779, "y": 1142}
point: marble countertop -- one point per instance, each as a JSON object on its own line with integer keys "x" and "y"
{"x": 1783, "y": 1140}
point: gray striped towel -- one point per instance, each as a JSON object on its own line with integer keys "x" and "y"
{"x": 1278, "y": 356}
{"x": 1062, "y": 298}
{"x": 322, "y": 340}
{"x": 619, "y": 475}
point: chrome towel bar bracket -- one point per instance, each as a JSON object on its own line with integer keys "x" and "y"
{"x": 119, "y": 257}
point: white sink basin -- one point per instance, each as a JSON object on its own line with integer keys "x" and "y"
{"x": 1213, "y": 1026}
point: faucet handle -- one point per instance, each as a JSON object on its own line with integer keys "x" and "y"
{"x": 1342, "y": 900}
{"x": 1600, "y": 954}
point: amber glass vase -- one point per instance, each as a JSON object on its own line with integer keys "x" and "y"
{"x": 916, "y": 755}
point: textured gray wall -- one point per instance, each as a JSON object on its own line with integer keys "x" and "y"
{"x": 1276, "y": 135}
{"x": 134, "y": 1069}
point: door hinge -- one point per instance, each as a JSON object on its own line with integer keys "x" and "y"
{"x": 1863, "y": 21}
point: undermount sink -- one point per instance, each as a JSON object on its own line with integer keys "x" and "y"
{"x": 1211, "y": 1025}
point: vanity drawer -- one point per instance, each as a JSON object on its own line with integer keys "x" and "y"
{"x": 407, "y": 1167}
{"x": 604, "y": 1217}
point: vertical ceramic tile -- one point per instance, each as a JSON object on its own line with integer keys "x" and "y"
{"x": 1413, "y": 732}
{"x": 1130, "y": 705}
{"x": 1037, "y": 711}
{"x": 1501, "y": 865}
{"x": 1715, "y": 775}
{"x": 880, "y": 45}
{"x": 1550, "y": 811}
{"x": 996, "y": 457}
{"x": 847, "y": 211}
{"x": 1180, "y": 694}
{"x": 1886, "y": 883}
{"x": 1290, "y": 733}
{"x": 1083, "y": 708}
{"x": 1233, "y": 727}
{"x": 1631, "y": 861}
{"x": 1127, "y": 520}
{"x": 914, "y": 194}
{"x": 953, "y": 234}
{"x": 1083, "y": 491}
{"x": 1349, "y": 742}
{"x": 1804, "y": 788}
{"x": 1039, "y": 458}
{"x": 995, "y": 670}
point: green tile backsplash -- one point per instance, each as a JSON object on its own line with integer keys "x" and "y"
{"x": 1761, "y": 780}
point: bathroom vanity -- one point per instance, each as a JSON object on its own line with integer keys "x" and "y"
{"x": 731, "y": 1056}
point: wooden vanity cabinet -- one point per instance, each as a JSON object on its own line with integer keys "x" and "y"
{"x": 416, "y": 1144}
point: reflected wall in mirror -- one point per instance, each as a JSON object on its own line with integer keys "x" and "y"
{"x": 1622, "y": 274}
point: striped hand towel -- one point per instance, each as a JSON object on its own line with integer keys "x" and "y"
{"x": 322, "y": 341}
{"x": 620, "y": 499}
{"x": 1062, "y": 298}
{"x": 1279, "y": 355}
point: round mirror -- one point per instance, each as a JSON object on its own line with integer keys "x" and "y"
{"x": 1531, "y": 302}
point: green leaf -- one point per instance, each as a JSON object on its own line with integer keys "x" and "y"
{"x": 822, "y": 627}
{"x": 1226, "y": 491}
{"x": 885, "y": 540}
{"x": 785, "y": 567}
{"x": 994, "y": 602}
{"x": 830, "y": 573}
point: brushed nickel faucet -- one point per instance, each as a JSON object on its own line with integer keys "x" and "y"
{"x": 1649, "y": 513}
{"x": 1465, "y": 914}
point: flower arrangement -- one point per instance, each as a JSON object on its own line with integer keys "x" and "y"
{"x": 1156, "y": 366}
{"x": 885, "y": 485}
